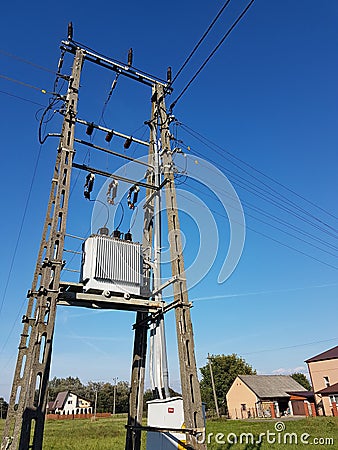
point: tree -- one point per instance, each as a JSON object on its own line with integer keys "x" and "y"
{"x": 225, "y": 369}
{"x": 105, "y": 392}
{"x": 302, "y": 380}
{"x": 57, "y": 385}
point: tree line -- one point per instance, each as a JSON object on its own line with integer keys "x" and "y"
{"x": 104, "y": 390}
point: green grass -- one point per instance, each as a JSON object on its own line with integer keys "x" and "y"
{"x": 83, "y": 434}
{"x": 104, "y": 434}
{"x": 318, "y": 427}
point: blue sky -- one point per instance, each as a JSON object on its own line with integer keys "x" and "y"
{"x": 269, "y": 96}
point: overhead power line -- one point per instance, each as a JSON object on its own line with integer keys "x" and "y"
{"x": 233, "y": 26}
{"x": 287, "y": 225}
{"x": 266, "y": 236}
{"x": 22, "y": 98}
{"x": 201, "y": 40}
{"x": 26, "y": 61}
{"x": 20, "y": 229}
{"x": 275, "y": 197}
{"x": 271, "y": 198}
{"x": 220, "y": 151}
{"x": 5, "y": 77}
{"x": 290, "y": 346}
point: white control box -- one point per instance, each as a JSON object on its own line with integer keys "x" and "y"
{"x": 162, "y": 414}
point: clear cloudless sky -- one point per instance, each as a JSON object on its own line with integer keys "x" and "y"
{"x": 269, "y": 96}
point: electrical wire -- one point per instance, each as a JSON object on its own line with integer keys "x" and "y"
{"x": 288, "y": 225}
{"x": 289, "y": 347}
{"x": 233, "y": 26}
{"x": 110, "y": 93}
{"x": 200, "y": 41}
{"x": 220, "y": 151}
{"x": 52, "y": 103}
{"x": 106, "y": 206}
{"x": 122, "y": 216}
{"x": 22, "y": 83}
{"x": 19, "y": 238}
{"x": 268, "y": 237}
{"x": 274, "y": 203}
{"x": 271, "y": 216}
{"x": 11, "y": 265}
{"x": 133, "y": 218}
{"x": 270, "y": 197}
{"x": 26, "y": 61}
{"x": 22, "y": 98}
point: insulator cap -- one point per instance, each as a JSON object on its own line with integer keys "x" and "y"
{"x": 109, "y": 136}
{"x": 128, "y": 236}
{"x": 127, "y": 143}
{"x": 90, "y": 129}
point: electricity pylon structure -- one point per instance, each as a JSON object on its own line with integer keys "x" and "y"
{"x": 27, "y": 406}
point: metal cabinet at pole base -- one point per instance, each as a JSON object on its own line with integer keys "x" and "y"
{"x": 167, "y": 413}
{"x": 111, "y": 264}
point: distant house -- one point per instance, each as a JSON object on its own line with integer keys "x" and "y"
{"x": 268, "y": 396}
{"x": 69, "y": 403}
{"x": 323, "y": 370}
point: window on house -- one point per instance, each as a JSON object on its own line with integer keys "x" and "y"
{"x": 69, "y": 402}
{"x": 333, "y": 398}
{"x": 327, "y": 381}
{"x": 243, "y": 406}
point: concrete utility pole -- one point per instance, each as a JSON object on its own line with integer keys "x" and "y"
{"x": 27, "y": 406}
{"x": 192, "y": 403}
{"x": 213, "y": 385}
{"x": 95, "y": 403}
{"x": 114, "y": 401}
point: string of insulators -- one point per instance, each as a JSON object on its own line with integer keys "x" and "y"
{"x": 89, "y": 185}
{"x": 112, "y": 191}
{"x": 70, "y": 31}
{"x": 130, "y": 57}
{"x": 133, "y": 192}
{"x": 169, "y": 75}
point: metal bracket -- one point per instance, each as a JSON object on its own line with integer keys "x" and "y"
{"x": 166, "y": 284}
{"x": 193, "y": 431}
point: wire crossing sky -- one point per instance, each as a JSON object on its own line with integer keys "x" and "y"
{"x": 263, "y": 111}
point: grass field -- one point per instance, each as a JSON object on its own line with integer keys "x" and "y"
{"x": 109, "y": 434}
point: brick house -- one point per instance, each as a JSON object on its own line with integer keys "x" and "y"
{"x": 268, "y": 396}
{"x": 323, "y": 370}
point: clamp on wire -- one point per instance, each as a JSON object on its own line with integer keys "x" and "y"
{"x": 133, "y": 192}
